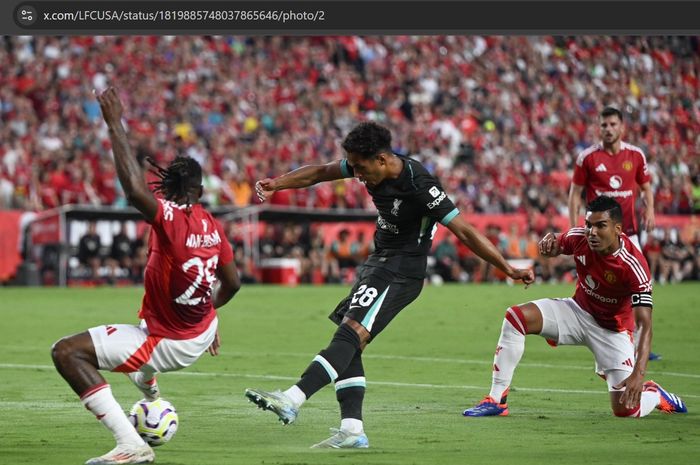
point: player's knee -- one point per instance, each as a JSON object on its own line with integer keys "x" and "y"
{"x": 61, "y": 351}
{"x": 346, "y": 333}
{"x": 514, "y": 317}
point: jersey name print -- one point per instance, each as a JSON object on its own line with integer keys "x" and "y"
{"x": 203, "y": 240}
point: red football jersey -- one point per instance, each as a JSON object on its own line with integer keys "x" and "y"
{"x": 184, "y": 250}
{"x": 618, "y": 176}
{"x": 609, "y": 285}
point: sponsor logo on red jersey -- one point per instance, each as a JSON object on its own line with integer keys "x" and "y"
{"x": 615, "y": 182}
{"x": 590, "y": 282}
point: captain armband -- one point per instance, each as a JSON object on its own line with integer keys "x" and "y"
{"x": 642, "y": 299}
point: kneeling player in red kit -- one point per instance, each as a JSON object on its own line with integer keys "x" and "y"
{"x": 613, "y": 284}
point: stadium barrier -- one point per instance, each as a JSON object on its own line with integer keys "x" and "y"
{"x": 50, "y": 239}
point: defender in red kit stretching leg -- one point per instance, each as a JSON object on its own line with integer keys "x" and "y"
{"x": 613, "y": 284}
{"x": 190, "y": 272}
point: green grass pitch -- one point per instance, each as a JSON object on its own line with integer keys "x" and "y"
{"x": 432, "y": 362}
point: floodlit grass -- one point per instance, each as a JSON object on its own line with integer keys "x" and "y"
{"x": 432, "y": 362}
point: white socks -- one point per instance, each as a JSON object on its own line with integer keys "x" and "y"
{"x": 649, "y": 401}
{"x": 296, "y": 395}
{"x": 100, "y": 401}
{"x": 149, "y": 387}
{"x": 351, "y": 425}
{"x": 509, "y": 351}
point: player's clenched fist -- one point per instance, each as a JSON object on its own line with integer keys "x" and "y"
{"x": 111, "y": 106}
{"x": 527, "y": 276}
{"x": 549, "y": 245}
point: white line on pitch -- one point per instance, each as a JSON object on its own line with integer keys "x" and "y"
{"x": 378, "y": 383}
{"x": 458, "y": 361}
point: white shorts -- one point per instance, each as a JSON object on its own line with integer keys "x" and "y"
{"x": 130, "y": 348}
{"x": 566, "y": 323}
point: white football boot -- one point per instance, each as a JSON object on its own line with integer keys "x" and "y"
{"x": 125, "y": 453}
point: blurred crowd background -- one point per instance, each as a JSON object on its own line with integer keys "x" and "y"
{"x": 498, "y": 119}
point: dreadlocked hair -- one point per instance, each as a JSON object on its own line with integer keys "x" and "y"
{"x": 179, "y": 180}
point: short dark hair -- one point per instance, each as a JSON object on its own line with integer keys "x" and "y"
{"x": 603, "y": 203}
{"x": 179, "y": 181}
{"x": 367, "y": 140}
{"x": 611, "y": 111}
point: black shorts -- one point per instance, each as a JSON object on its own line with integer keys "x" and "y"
{"x": 377, "y": 296}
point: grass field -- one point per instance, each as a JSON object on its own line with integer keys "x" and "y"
{"x": 433, "y": 361}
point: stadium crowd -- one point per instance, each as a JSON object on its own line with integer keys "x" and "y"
{"x": 498, "y": 119}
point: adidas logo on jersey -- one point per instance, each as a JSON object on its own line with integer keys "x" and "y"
{"x": 582, "y": 259}
{"x": 600, "y": 168}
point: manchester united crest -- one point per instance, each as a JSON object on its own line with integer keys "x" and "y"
{"x": 627, "y": 166}
{"x": 610, "y": 277}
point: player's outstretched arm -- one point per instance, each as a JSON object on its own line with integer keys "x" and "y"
{"x": 128, "y": 168}
{"x": 481, "y": 246}
{"x": 574, "y": 203}
{"x": 635, "y": 382}
{"x": 301, "y": 177}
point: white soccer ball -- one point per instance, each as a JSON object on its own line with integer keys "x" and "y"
{"x": 156, "y": 421}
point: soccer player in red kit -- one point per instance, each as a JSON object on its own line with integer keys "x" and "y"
{"x": 190, "y": 272}
{"x": 613, "y": 279}
{"x": 614, "y": 168}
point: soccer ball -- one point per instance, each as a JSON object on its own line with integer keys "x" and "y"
{"x": 156, "y": 421}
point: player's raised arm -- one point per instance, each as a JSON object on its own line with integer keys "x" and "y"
{"x": 301, "y": 177}
{"x": 481, "y": 246}
{"x": 128, "y": 169}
